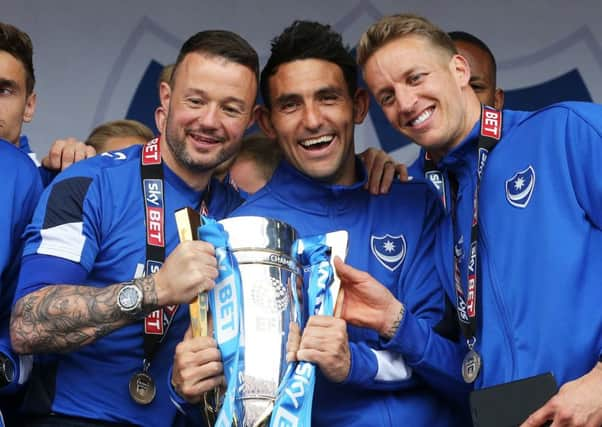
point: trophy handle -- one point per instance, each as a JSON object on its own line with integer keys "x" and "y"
{"x": 188, "y": 221}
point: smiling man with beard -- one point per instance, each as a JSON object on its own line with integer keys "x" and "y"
{"x": 82, "y": 298}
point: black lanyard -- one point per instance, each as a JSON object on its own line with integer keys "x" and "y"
{"x": 466, "y": 306}
{"x": 157, "y": 323}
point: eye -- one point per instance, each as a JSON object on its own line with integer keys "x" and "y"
{"x": 195, "y": 102}
{"x": 477, "y": 88}
{"x": 415, "y": 79}
{"x": 232, "y": 111}
{"x": 289, "y": 106}
{"x": 329, "y": 98}
{"x": 386, "y": 99}
{"x": 6, "y": 91}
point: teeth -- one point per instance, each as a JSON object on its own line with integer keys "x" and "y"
{"x": 421, "y": 118}
{"x": 319, "y": 140}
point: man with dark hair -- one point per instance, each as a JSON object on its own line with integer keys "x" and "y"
{"x": 519, "y": 248}
{"x": 18, "y": 103}
{"x": 99, "y": 290}
{"x": 312, "y": 107}
{"x": 483, "y": 68}
{"x": 17, "y": 81}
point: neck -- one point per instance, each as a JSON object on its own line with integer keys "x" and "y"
{"x": 194, "y": 179}
{"x": 472, "y": 114}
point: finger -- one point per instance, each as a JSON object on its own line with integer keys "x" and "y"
{"x": 293, "y": 342}
{"x": 388, "y": 177}
{"x": 539, "y": 417}
{"x": 197, "y": 351}
{"x": 188, "y": 334}
{"x": 55, "y": 153}
{"x": 368, "y": 159}
{"x": 67, "y": 156}
{"x": 192, "y": 391}
{"x": 201, "y": 246}
{"x": 347, "y": 274}
{"x": 79, "y": 151}
{"x": 338, "y": 306}
{"x": 323, "y": 321}
{"x": 90, "y": 151}
{"x": 401, "y": 171}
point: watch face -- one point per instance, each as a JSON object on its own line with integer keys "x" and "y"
{"x": 7, "y": 371}
{"x": 129, "y": 297}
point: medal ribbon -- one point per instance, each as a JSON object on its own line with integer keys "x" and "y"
{"x": 294, "y": 400}
{"x": 226, "y": 304}
{"x": 157, "y": 323}
{"x": 489, "y": 135}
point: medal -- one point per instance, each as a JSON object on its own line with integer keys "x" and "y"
{"x": 142, "y": 388}
{"x": 471, "y": 366}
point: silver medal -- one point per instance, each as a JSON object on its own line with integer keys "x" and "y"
{"x": 142, "y": 388}
{"x": 471, "y": 366}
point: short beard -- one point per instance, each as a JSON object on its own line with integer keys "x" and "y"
{"x": 178, "y": 150}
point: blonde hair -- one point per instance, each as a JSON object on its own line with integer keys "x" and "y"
{"x": 118, "y": 129}
{"x": 396, "y": 26}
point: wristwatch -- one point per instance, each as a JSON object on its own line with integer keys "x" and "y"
{"x": 129, "y": 299}
{"x": 7, "y": 370}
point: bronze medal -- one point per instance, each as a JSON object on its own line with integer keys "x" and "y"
{"x": 471, "y": 366}
{"x": 142, "y": 388}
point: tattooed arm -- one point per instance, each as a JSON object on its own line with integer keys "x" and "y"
{"x": 61, "y": 318}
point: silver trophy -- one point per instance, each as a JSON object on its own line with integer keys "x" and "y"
{"x": 268, "y": 271}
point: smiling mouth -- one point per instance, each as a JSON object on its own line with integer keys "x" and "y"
{"x": 316, "y": 143}
{"x": 205, "y": 139}
{"x": 421, "y": 118}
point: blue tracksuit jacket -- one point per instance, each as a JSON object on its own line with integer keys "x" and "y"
{"x": 540, "y": 213}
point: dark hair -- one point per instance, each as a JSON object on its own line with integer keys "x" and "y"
{"x": 222, "y": 44}
{"x": 463, "y": 36}
{"x": 308, "y": 40}
{"x": 18, "y": 44}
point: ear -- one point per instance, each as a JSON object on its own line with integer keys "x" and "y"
{"x": 30, "y": 107}
{"x": 160, "y": 119}
{"x": 165, "y": 95}
{"x": 254, "y": 115}
{"x": 499, "y": 99}
{"x": 460, "y": 69}
{"x": 265, "y": 122}
{"x": 361, "y": 102}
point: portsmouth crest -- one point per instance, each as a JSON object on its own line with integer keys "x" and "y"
{"x": 389, "y": 250}
{"x": 520, "y": 187}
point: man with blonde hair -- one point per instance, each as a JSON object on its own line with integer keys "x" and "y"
{"x": 522, "y": 311}
{"x": 118, "y": 134}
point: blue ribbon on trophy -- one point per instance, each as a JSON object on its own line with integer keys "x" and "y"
{"x": 226, "y": 304}
{"x": 294, "y": 400}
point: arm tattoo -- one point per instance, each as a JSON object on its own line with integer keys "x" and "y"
{"x": 62, "y": 318}
{"x": 150, "y": 301}
{"x": 395, "y": 325}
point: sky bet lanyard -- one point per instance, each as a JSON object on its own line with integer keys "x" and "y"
{"x": 489, "y": 136}
{"x": 157, "y": 323}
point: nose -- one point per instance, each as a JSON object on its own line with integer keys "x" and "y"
{"x": 209, "y": 117}
{"x": 405, "y": 98}
{"x": 312, "y": 117}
